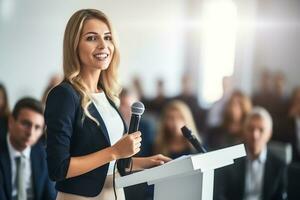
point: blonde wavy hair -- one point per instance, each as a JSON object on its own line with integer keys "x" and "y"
{"x": 163, "y": 138}
{"x": 108, "y": 80}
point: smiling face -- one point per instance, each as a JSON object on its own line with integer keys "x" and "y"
{"x": 95, "y": 47}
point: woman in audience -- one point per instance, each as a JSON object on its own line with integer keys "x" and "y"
{"x": 4, "y": 107}
{"x": 230, "y": 131}
{"x": 169, "y": 139}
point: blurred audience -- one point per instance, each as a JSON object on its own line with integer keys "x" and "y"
{"x": 188, "y": 97}
{"x": 157, "y": 104}
{"x": 234, "y": 115}
{"x": 54, "y": 81}
{"x": 127, "y": 98}
{"x": 290, "y": 127}
{"x": 214, "y": 117}
{"x": 259, "y": 175}
{"x": 169, "y": 138}
{"x": 4, "y": 106}
{"x": 23, "y": 158}
{"x": 264, "y": 94}
{"x": 272, "y": 96}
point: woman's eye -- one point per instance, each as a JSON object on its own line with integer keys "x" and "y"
{"x": 108, "y": 37}
{"x": 92, "y": 38}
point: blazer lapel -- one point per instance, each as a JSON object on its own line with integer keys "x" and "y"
{"x": 94, "y": 112}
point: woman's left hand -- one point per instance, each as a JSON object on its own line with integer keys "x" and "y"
{"x": 140, "y": 163}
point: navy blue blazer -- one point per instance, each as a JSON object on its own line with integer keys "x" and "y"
{"x": 42, "y": 186}
{"x": 230, "y": 180}
{"x": 70, "y": 134}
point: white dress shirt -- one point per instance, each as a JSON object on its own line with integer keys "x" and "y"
{"x": 112, "y": 121}
{"x": 255, "y": 177}
{"x": 13, "y": 154}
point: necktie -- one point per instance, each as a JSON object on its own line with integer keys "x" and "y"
{"x": 20, "y": 178}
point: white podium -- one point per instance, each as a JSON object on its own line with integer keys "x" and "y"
{"x": 186, "y": 178}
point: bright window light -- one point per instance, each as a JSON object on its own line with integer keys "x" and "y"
{"x": 218, "y": 40}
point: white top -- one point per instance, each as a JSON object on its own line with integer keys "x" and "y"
{"x": 112, "y": 121}
{"x": 255, "y": 170}
{"x": 13, "y": 154}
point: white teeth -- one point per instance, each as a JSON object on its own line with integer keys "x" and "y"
{"x": 101, "y": 55}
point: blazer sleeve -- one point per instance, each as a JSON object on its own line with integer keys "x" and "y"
{"x": 59, "y": 116}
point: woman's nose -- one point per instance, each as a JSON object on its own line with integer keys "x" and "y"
{"x": 102, "y": 44}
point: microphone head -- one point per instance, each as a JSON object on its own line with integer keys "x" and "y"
{"x": 137, "y": 108}
{"x": 187, "y": 133}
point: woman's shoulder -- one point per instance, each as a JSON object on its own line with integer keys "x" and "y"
{"x": 64, "y": 90}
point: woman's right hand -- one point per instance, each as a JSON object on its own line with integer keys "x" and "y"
{"x": 128, "y": 145}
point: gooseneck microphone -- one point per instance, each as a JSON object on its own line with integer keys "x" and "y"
{"x": 137, "y": 109}
{"x": 187, "y": 133}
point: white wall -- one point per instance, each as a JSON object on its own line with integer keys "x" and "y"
{"x": 150, "y": 35}
{"x": 154, "y": 39}
{"x": 278, "y": 39}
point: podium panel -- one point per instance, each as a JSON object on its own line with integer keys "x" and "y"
{"x": 187, "y": 187}
{"x": 186, "y": 178}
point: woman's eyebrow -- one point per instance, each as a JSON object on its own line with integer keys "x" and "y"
{"x": 95, "y": 33}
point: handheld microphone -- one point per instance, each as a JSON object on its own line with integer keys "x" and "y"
{"x": 187, "y": 133}
{"x": 137, "y": 109}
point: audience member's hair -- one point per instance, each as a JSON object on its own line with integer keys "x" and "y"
{"x": 294, "y": 102}
{"x": 164, "y": 137}
{"x": 261, "y": 113}
{"x": 29, "y": 103}
{"x": 245, "y": 105}
{"x": 4, "y": 109}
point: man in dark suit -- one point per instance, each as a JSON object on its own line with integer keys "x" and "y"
{"x": 23, "y": 169}
{"x": 258, "y": 176}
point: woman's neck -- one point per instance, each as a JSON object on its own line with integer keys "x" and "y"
{"x": 91, "y": 78}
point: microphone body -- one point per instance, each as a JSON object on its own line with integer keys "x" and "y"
{"x": 137, "y": 109}
{"x": 134, "y": 123}
{"x": 187, "y": 133}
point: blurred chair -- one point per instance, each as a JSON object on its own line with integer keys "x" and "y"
{"x": 293, "y": 181}
{"x": 282, "y": 150}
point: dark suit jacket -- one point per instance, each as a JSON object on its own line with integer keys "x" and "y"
{"x": 288, "y": 134}
{"x": 42, "y": 186}
{"x": 230, "y": 180}
{"x": 70, "y": 134}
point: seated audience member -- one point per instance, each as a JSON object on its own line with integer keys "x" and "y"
{"x": 169, "y": 138}
{"x": 263, "y": 97}
{"x": 214, "y": 116}
{"x": 4, "y": 107}
{"x": 156, "y": 104}
{"x": 258, "y": 176}
{"x": 230, "y": 131}
{"x": 23, "y": 158}
{"x": 189, "y": 98}
{"x": 290, "y": 128}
